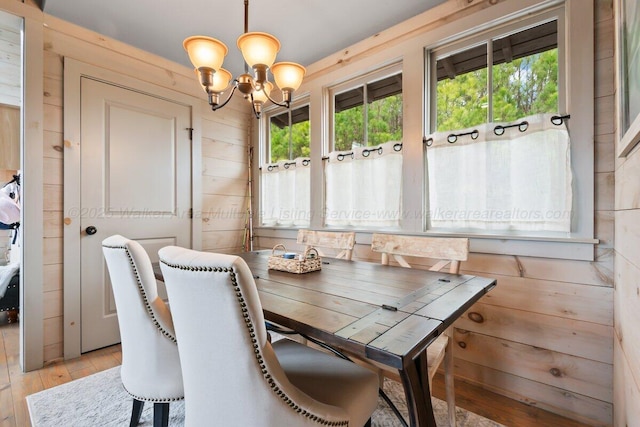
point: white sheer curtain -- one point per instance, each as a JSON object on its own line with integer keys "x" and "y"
{"x": 364, "y": 186}
{"x": 519, "y": 180}
{"x": 285, "y": 193}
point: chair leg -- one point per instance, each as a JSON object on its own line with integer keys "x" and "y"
{"x": 136, "y": 412}
{"x": 12, "y": 316}
{"x": 161, "y": 414}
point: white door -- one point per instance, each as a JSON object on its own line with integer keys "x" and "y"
{"x": 135, "y": 181}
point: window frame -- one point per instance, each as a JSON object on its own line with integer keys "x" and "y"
{"x": 360, "y": 80}
{"x": 264, "y": 149}
{"x": 486, "y": 37}
{"x": 581, "y": 161}
{"x": 265, "y": 125}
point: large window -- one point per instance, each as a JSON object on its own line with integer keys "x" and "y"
{"x": 363, "y": 168}
{"x": 498, "y": 157}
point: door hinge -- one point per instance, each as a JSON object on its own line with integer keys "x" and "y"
{"x": 190, "y": 133}
{"x": 191, "y": 213}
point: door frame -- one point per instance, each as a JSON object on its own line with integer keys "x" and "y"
{"x": 74, "y": 70}
{"x": 31, "y": 152}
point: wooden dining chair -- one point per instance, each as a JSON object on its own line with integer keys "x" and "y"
{"x": 344, "y": 242}
{"x": 447, "y": 251}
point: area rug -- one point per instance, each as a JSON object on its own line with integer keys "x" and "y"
{"x": 99, "y": 400}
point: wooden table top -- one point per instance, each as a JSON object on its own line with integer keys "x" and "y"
{"x": 384, "y": 313}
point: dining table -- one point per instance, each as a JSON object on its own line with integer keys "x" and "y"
{"x": 383, "y": 313}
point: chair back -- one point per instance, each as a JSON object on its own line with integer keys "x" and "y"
{"x": 231, "y": 373}
{"x": 448, "y": 250}
{"x": 150, "y": 362}
{"x": 342, "y": 241}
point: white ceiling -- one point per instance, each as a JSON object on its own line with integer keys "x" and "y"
{"x": 308, "y": 30}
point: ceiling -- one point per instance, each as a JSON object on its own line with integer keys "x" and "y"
{"x": 308, "y": 30}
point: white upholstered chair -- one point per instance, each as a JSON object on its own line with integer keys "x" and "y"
{"x": 233, "y": 376}
{"x": 448, "y": 251}
{"x": 342, "y": 241}
{"x": 150, "y": 363}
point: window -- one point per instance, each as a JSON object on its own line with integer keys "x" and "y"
{"x": 285, "y": 176}
{"x": 496, "y": 159}
{"x": 363, "y": 169}
{"x": 522, "y": 81}
{"x": 379, "y": 120}
{"x": 289, "y": 136}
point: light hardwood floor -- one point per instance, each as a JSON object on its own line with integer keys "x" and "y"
{"x": 15, "y": 385}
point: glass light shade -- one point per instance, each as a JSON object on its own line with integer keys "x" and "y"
{"x": 205, "y": 51}
{"x": 260, "y": 95}
{"x": 258, "y": 48}
{"x": 288, "y": 75}
{"x": 221, "y": 80}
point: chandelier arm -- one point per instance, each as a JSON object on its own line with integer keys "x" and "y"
{"x": 284, "y": 104}
{"x": 253, "y": 107}
{"x": 215, "y": 107}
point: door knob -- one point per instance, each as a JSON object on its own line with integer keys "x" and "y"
{"x": 91, "y": 230}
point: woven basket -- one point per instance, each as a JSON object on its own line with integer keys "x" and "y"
{"x": 310, "y": 261}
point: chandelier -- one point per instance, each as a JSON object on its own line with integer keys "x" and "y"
{"x": 259, "y": 51}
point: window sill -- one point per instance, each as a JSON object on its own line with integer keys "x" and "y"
{"x": 570, "y": 248}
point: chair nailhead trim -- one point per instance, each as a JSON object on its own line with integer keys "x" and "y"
{"x": 158, "y": 400}
{"x": 259, "y": 358}
{"x": 166, "y": 333}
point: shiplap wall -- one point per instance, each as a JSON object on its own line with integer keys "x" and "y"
{"x": 224, "y": 147}
{"x": 546, "y": 334}
{"x": 626, "y": 360}
{"x": 9, "y": 137}
{"x": 627, "y": 291}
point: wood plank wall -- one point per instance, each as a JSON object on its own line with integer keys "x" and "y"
{"x": 544, "y": 335}
{"x": 9, "y": 137}
{"x": 224, "y": 147}
{"x": 626, "y": 360}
